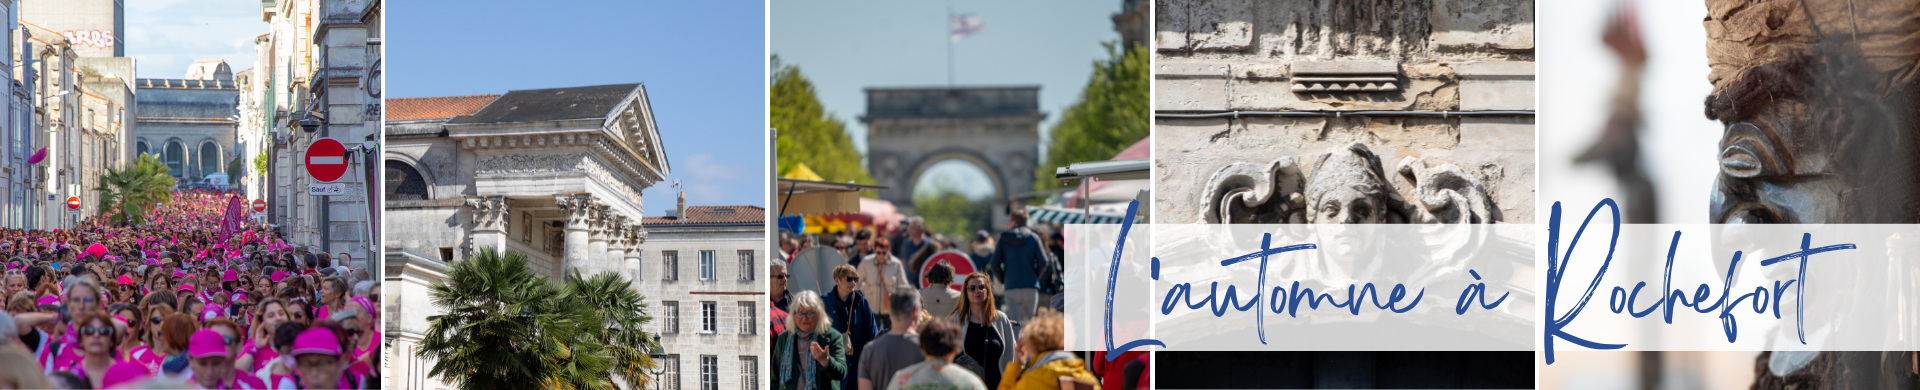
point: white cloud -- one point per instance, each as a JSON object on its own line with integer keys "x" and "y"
{"x": 167, "y": 35}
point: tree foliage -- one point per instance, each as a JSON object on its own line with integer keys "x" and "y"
{"x": 130, "y": 193}
{"x": 950, "y": 212}
{"x": 509, "y": 328}
{"x": 1110, "y": 115}
{"x": 808, "y": 133}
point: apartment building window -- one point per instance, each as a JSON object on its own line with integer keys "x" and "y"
{"x": 746, "y": 265}
{"x": 749, "y": 373}
{"x": 709, "y": 372}
{"x": 669, "y": 265}
{"x": 747, "y": 315}
{"x": 706, "y": 265}
{"x": 670, "y": 371}
{"x": 672, "y": 324}
{"x": 709, "y": 317}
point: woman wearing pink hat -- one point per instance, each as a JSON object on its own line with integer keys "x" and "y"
{"x": 222, "y": 367}
{"x": 321, "y": 360}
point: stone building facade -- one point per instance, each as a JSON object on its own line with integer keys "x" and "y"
{"x": 702, "y": 272}
{"x": 554, "y": 173}
{"x": 313, "y": 80}
{"x": 557, "y": 174}
{"x": 1431, "y": 91}
{"x": 96, "y": 28}
{"x": 189, "y": 123}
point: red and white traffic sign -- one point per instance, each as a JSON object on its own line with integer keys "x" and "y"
{"x": 326, "y": 160}
{"x": 259, "y": 205}
{"x": 73, "y": 203}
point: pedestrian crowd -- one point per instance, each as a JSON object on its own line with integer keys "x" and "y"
{"x": 878, "y": 326}
{"x": 196, "y": 296}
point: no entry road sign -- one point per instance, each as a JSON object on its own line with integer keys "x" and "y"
{"x": 73, "y": 203}
{"x": 259, "y": 205}
{"x": 326, "y": 160}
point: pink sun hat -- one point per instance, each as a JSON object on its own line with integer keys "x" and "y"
{"x": 279, "y": 276}
{"x": 318, "y": 340}
{"x": 207, "y": 343}
{"x": 124, "y": 372}
{"x": 229, "y": 276}
{"x": 97, "y": 250}
{"x": 179, "y": 273}
{"x": 126, "y": 280}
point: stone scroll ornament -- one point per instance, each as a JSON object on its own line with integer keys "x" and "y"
{"x": 1347, "y": 185}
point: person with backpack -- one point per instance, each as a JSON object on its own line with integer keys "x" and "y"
{"x": 1021, "y": 262}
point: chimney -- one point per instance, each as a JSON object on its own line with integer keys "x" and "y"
{"x": 681, "y": 211}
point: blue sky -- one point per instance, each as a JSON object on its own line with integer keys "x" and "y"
{"x": 703, "y": 62}
{"x": 844, "y": 46}
{"x": 164, "y": 36}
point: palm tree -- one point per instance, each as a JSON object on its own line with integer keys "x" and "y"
{"x": 509, "y": 328}
{"x": 623, "y": 313}
{"x": 128, "y": 194}
{"x": 487, "y": 338}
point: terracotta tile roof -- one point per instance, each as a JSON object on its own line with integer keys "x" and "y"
{"x": 713, "y": 214}
{"x": 436, "y": 107}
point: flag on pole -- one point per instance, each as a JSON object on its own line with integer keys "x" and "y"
{"x": 964, "y": 25}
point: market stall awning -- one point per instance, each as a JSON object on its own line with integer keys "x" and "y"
{"x": 1066, "y": 216}
{"x": 819, "y": 197}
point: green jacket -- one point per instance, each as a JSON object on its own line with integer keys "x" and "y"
{"x": 828, "y": 375}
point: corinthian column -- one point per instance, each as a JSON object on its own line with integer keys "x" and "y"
{"x": 636, "y": 235}
{"x": 597, "y": 241}
{"x": 579, "y": 212}
{"x": 489, "y": 222}
{"x": 615, "y": 246}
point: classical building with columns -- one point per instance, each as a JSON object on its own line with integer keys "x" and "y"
{"x": 554, "y": 173}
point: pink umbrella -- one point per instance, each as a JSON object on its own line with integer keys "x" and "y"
{"x": 37, "y": 156}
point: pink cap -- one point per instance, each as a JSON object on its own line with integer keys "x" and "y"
{"x": 279, "y": 276}
{"x": 184, "y": 287}
{"x": 123, "y": 372}
{"x": 179, "y": 273}
{"x": 207, "y": 343}
{"x": 126, "y": 280}
{"x": 152, "y": 261}
{"x": 239, "y": 296}
{"x": 318, "y": 340}
{"x": 49, "y": 300}
{"x": 229, "y": 276}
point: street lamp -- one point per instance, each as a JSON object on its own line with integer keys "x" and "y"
{"x": 311, "y": 123}
{"x": 657, "y": 353}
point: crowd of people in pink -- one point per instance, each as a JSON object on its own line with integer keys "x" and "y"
{"x": 197, "y": 296}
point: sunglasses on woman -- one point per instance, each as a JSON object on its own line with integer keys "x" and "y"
{"x": 96, "y": 330}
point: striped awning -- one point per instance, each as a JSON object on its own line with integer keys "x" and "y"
{"x": 1069, "y": 216}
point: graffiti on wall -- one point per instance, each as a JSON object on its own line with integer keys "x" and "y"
{"x": 90, "y": 38}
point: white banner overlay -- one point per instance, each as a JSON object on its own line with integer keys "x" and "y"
{"x": 1581, "y": 282}
{"x": 1319, "y": 288}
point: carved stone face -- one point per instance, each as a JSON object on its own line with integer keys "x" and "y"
{"x": 1347, "y": 187}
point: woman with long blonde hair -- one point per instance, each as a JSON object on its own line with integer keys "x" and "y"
{"x": 986, "y": 333}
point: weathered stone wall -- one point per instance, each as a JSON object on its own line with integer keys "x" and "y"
{"x": 1340, "y": 56}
